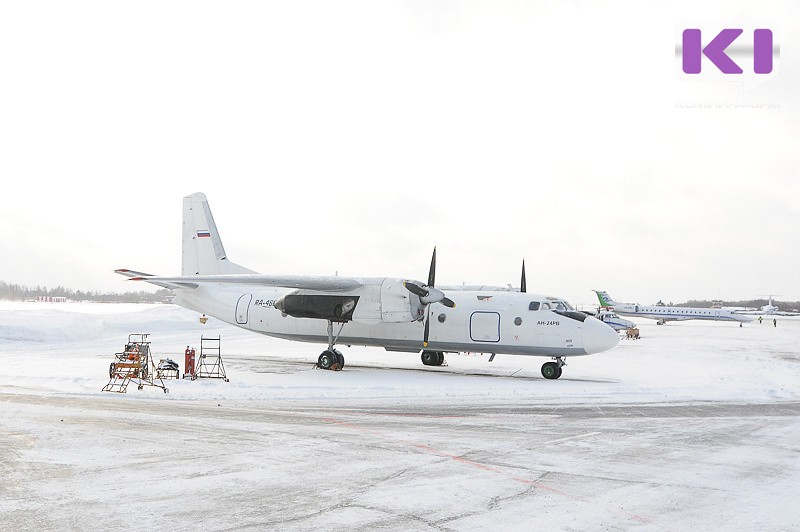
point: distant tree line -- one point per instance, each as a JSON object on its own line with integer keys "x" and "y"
{"x": 16, "y": 292}
{"x": 750, "y": 303}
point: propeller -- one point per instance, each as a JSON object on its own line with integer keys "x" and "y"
{"x": 523, "y": 285}
{"x": 428, "y": 294}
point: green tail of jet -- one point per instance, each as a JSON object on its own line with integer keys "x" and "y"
{"x": 605, "y": 299}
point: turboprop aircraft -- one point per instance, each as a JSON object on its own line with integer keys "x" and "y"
{"x": 396, "y": 314}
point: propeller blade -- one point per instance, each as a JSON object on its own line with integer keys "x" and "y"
{"x": 427, "y": 295}
{"x": 432, "y": 272}
{"x": 523, "y": 285}
{"x": 427, "y": 326}
{"x": 415, "y": 289}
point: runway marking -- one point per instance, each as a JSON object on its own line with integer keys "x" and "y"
{"x": 478, "y": 465}
{"x": 575, "y": 437}
{"x": 460, "y": 459}
{"x": 401, "y": 414}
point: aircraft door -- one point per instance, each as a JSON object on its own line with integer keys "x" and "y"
{"x": 484, "y": 327}
{"x": 243, "y": 309}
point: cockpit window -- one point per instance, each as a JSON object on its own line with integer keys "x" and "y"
{"x": 559, "y": 304}
{"x": 572, "y": 314}
{"x": 562, "y": 305}
{"x": 534, "y": 305}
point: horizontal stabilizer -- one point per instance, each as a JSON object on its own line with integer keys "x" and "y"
{"x": 152, "y": 279}
{"x": 132, "y": 273}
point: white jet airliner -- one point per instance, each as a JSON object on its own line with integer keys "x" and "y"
{"x": 664, "y": 314}
{"x": 396, "y": 314}
{"x": 769, "y": 310}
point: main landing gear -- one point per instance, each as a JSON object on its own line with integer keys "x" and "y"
{"x": 432, "y": 358}
{"x": 331, "y": 358}
{"x": 552, "y": 370}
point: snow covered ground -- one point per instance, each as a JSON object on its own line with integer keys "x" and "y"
{"x": 696, "y": 425}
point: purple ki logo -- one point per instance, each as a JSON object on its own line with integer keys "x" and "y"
{"x": 715, "y": 51}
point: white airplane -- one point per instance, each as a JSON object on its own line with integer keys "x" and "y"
{"x": 664, "y": 314}
{"x": 396, "y": 314}
{"x": 770, "y": 310}
{"x": 613, "y": 320}
{"x": 773, "y": 310}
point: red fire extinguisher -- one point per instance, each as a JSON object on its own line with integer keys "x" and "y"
{"x": 189, "y": 362}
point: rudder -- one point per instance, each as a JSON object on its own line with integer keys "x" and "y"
{"x": 203, "y": 252}
{"x": 605, "y": 299}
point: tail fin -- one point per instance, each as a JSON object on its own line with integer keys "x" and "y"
{"x": 605, "y": 299}
{"x": 203, "y": 253}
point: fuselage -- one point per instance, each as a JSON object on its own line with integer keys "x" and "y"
{"x": 487, "y": 322}
{"x": 613, "y": 320}
{"x": 657, "y": 312}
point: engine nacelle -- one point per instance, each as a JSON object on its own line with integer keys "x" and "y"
{"x": 337, "y": 308}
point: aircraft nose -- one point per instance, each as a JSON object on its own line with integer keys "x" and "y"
{"x": 597, "y": 336}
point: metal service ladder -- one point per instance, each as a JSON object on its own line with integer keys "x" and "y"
{"x": 135, "y": 363}
{"x": 210, "y": 363}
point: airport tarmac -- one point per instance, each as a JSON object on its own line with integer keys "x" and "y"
{"x": 388, "y": 444}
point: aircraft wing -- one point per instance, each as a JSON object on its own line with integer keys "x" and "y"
{"x": 321, "y": 283}
{"x": 478, "y": 288}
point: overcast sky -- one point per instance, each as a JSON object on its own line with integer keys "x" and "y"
{"x": 355, "y": 136}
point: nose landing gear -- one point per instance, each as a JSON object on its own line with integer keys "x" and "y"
{"x": 552, "y": 370}
{"x": 432, "y": 358}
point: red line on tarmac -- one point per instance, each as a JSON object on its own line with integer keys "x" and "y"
{"x": 477, "y": 465}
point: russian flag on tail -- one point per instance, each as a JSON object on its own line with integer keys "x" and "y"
{"x": 203, "y": 234}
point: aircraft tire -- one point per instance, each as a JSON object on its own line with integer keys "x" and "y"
{"x": 439, "y": 358}
{"x": 550, "y": 370}
{"x": 326, "y": 359}
{"x": 339, "y": 358}
{"x": 430, "y": 358}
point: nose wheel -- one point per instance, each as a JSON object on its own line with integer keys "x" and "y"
{"x": 552, "y": 370}
{"x": 432, "y": 358}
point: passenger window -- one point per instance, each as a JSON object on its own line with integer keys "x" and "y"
{"x": 534, "y": 305}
